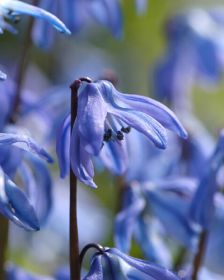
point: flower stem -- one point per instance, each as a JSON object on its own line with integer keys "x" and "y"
{"x": 22, "y": 67}
{"x": 4, "y": 226}
{"x": 200, "y": 254}
{"x": 74, "y": 239}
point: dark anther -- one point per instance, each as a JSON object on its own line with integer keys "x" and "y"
{"x": 107, "y": 135}
{"x": 126, "y": 129}
{"x": 120, "y": 135}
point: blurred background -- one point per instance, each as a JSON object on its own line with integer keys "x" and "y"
{"x": 91, "y": 52}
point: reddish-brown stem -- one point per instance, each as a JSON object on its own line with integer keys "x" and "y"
{"x": 199, "y": 255}
{"x": 22, "y": 67}
{"x": 74, "y": 240}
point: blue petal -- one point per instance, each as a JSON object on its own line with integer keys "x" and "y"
{"x": 15, "y": 205}
{"x": 63, "y": 146}
{"x": 39, "y": 187}
{"x": 81, "y": 161}
{"x": 150, "y": 270}
{"x": 172, "y": 210}
{"x": 202, "y": 207}
{"x": 62, "y": 273}
{"x": 23, "y": 8}
{"x": 126, "y": 219}
{"x": 108, "y": 13}
{"x": 91, "y": 117}
{"x": 144, "y": 124}
{"x": 96, "y": 269}
{"x": 25, "y": 143}
{"x": 145, "y": 105}
{"x": 153, "y": 247}
{"x": 114, "y": 156}
{"x": 43, "y": 34}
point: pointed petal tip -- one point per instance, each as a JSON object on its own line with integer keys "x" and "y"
{"x": 183, "y": 133}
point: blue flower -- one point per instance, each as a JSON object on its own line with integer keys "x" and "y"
{"x": 24, "y": 207}
{"x": 165, "y": 200}
{"x": 106, "y": 116}
{"x": 76, "y": 14}
{"x": 197, "y": 32}
{"x": 111, "y": 264}
{"x": 10, "y": 9}
{"x": 202, "y": 208}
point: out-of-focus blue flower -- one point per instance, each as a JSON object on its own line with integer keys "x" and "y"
{"x": 11, "y": 9}
{"x": 198, "y": 34}
{"x": 104, "y": 116}
{"x": 111, "y": 264}
{"x": 20, "y": 205}
{"x": 168, "y": 202}
{"x": 16, "y": 273}
{"x": 202, "y": 208}
{"x": 76, "y": 14}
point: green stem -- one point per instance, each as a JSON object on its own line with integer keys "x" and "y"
{"x": 199, "y": 255}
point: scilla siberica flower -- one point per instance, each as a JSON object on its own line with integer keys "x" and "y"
{"x": 10, "y": 9}
{"x": 20, "y": 206}
{"x": 105, "y": 116}
{"x": 76, "y": 14}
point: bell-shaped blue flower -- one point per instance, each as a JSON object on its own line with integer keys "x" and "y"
{"x": 10, "y": 9}
{"x": 105, "y": 116}
{"x": 76, "y": 14}
{"x": 112, "y": 264}
{"x": 30, "y": 206}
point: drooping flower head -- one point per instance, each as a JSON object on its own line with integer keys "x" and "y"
{"x": 104, "y": 118}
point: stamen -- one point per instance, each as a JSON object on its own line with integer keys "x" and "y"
{"x": 107, "y": 135}
{"x": 120, "y": 135}
{"x": 126, "y": 129}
